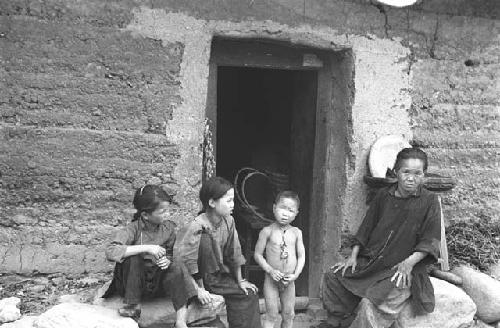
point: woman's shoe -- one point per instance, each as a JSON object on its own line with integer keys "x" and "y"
{"x": 130, "y": 311}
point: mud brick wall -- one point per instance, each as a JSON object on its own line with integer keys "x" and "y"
{"x": 86, "y": 106}
{"x": 83, "y": 109}
{"x": 455, "y": 113}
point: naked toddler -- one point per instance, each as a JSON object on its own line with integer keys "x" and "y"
{"x": 284, "y": 259}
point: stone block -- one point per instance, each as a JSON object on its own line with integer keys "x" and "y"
{"x": 9, "y": 310}
{"x": 454, "y": 309}
{"x": 495, "y": 271}
{"x": 160, "y": 312}
{"x": 24, "y": 322}
{"x": 301, "y": 303}
{"x": 481, "y": 324}
{"x": 80, "y": 315}
{"x": 484, "y": 291}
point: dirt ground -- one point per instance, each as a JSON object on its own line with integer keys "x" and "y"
{"x": 40, "y": 292}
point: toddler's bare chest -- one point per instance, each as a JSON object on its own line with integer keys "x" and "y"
{"x": 280, "y": 239}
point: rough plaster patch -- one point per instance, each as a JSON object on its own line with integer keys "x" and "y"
{"x": 380, "y": 108}
{"x": 381, "y": 99}
{"x": 186, "y": 127}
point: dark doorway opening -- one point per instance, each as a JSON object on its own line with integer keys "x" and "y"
{"x": 266, "y": 120}
{"x": 286, "y": 107}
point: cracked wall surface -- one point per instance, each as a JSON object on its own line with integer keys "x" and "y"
{"x": 98, "y": 98}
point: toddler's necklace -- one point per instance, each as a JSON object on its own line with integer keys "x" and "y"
{"x": 283, "y": 251}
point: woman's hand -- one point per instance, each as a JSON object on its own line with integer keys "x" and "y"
{"x": 157, "y": 251}
{"x": 246, "y": 285}
{"x": 163, "y": 262}
{"x": 204, "y": 296}
{"x": 276, "y": 274}
{"x": 402, "y": 277}
{"x": 351, "y": 262}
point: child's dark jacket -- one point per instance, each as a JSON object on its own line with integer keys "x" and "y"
{"x": 140, "y": 232}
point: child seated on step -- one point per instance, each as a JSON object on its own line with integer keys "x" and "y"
{"x": 143, "y": 254}
{"x": 284, "y": 259}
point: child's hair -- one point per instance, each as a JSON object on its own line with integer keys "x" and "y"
{"x": 287, "y": 194}
{"x": 214, "y": 188}
{"x": 410, "y": 153}
{"x": 147, "y": 199}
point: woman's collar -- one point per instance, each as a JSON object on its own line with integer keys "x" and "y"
{"x": 392, "y": 190}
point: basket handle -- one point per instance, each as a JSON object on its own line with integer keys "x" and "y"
{"x": 237, "y": 178}
{"x": 245, "y": 201}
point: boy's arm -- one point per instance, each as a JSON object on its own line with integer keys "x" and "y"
{"x": 301, "y": 257}
{"x": 258, "y": 253}
{"x": 301, "y": 254}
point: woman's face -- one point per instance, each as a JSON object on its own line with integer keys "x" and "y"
{"x": 159, "y": 214}
{"x": 223, "y": 206}
{"x": 410, "y": 175}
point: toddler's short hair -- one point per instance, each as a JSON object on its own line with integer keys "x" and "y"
{"x": 287, "y": 194}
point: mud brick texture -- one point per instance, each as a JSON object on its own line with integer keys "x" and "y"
{"x": 85, "y": 103}
{"x": 83, "y": 109}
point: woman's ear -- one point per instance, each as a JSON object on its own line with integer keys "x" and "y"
{"x": 144, "y": 215}
{"x": 211, "y": 203}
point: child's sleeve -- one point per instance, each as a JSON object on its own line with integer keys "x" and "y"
{"x": 235, "y": 256}
{"x": 118, "y": 245}
{"x": 169, "y": 244}
{"x": 187, "y": 244}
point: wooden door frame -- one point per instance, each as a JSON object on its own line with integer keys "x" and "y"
{"x": 334, "y": 97}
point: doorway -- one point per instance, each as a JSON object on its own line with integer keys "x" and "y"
{"x": 284, "y": 109}
{"x": 266, "y": 120}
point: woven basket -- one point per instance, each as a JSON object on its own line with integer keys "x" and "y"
{"x": 251, "y": 213}
{"x": 281, "y": 181}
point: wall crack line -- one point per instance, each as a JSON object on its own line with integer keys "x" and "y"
{"x": 434, "y": 39}
{"x": 382, "y": 10}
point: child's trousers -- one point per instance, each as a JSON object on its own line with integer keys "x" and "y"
{"x": 136, "y": 278}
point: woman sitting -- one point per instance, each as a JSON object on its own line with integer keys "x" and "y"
{"x": 143, "y": 254}
{"x": 210, "y": 249}
{"x": 398, "y": 238}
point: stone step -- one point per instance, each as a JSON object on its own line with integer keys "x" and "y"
{"x": 301, "y": 304}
